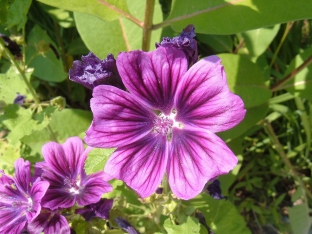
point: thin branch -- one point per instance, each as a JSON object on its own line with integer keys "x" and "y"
{"x": 123, "y": 13}
{"x": 279, "y": 85}
{"x": 20, "y": 71}
{"x": 148, "y": 24}
{"x": 170, "y": 21}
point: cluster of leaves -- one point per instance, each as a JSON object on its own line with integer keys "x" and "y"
{"x": 265, "y": 48}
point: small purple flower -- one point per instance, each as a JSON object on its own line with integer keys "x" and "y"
{"x": 185, "y": 42}
{"x": 214, "y": 190}
{"x": 167, "y": 121}
{"x": 49, "y": 222}
{"x": 64, "y": 169}
{"x": 126, "y": 226}
{"x": 19, "y": 198}
{"x": 100, "y": 209}
{"x": 91, "y": 72}
{"x": 19, "y": 99}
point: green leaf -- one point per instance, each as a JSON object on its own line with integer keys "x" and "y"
{"x": 12, "y": 83}
{"x": 102, "y": 9}
{"x": 301, "y": 84}
{"x": 8, "y": 154}
{"x": 96, "y": 160}
{"x": 4, "y": 11}
{"x": 233, "y": 16}
{"x": 17, "y": 14}
{"x": 221, "y": 216}
{"x": 63, "y": 17}
{"x": 120, "y": 35}
{"x": 20, "y": 122}
{"x": 189, "y": 227}
{"x": 258, "y": 40}
{"x": 64, "y": 124}
{"x": 253, "y": 115}
{"x": 245, "y": 79}
{"x": 219, "y": 43}
{"x": 40, "y": 56}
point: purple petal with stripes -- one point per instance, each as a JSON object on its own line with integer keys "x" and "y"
{"x": 204, "y": 100}
{"x": 119, "y": 119}
{"x": 141, "y": 165}
{"x": 153, "y": 76}
{"x": 196, "y": 156}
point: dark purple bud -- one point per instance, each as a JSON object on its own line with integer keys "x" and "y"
{"x": 214, "y": 190}
{"x": 126, "y": 226}
{"x": 185, "y": 41}
{"x": 19, "y": 99}
{"x": 159, "y": 190}
{"x": 12, "y": 46}
{"x": 100, "y": 209}
{"x": 91, "y": 72}
{"x": 201, "y": 218}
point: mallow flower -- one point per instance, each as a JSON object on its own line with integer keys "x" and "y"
{"x": 100, "y": 209}
{"x": 20, "y": 198}
{"x": 166, "y": 122}
{"x": 63, "y": 168}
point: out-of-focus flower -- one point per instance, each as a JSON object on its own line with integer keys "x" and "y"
{"x": 63, "y": 168}
{"x": 91, "y": 72}
{"x": 214, "y": 190}
{"x": 167, "y": 121}
{"x": 19, "y": 198}
{"x": 185, "y": 42}
{"x": 126, "y": 226}
{"x": 100, "y": 209}
{"x": 49, "y": 222}
{"x": 19, "y": 99}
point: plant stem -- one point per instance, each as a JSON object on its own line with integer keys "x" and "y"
{"x": 288, "y": 27}
{"x": 20, "y": 71}
{"x": 148, "y": 24}
{"x": 278, "y": 85}
{"x": 281, "y": 152}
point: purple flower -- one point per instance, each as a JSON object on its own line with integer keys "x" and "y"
{"x": 19, "y": 99}
{"x": 214, "y": 190}
{"x": 64, "y": 169}
{"x": 126, "y": 226}
{"x": 185, "y": 42}
{"x": 49, "y": 222}
{"x": 91, "y": 72}
{"x": 100, "y": 209}
{"x": 19, "y": 198}
{"x": 167, "y": 123}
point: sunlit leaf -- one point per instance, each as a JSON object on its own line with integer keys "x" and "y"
{"x": 233, "y": 16}
{"x": 190, "y": 226}
{"x": 8, "y": 154}
{"x": 96, "y": 160}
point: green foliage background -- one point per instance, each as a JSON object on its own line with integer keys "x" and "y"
{"x": 265, "y": 47}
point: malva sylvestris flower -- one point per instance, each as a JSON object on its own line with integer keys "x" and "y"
{"x": 167, "y": 121}
{"x": 63, "y": 168}
{"x": 20, "y": 198}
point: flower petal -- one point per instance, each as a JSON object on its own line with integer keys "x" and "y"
{"x": 58, "y": 198}
{"x": 22, "y": 174}
{"x": 195, "y": 157}
{"x": 204, "y": 100}
{"x": 141, "y": 165}
{"x": 153, "y": 76}
{"x": 93, "y": 188}
{"x": 118, "y": 118}
{"x": 74, "y": 151}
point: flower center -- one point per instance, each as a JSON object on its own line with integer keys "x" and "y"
{"x": 73, "y": 185}
{"x": 164, "y": 124}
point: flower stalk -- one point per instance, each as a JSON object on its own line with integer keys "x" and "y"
{"x": 148, "y": 24}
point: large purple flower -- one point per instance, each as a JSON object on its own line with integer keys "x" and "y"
{"x": 19, "y": 198}
{"x": 167, "y": 121}
{"x": 64, "y": 169}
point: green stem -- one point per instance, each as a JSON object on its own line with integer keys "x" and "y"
{"x": 148, "y": 24}
{"x": 288, "y": 27}
{"x": 20, "y": 71}
{"x": 281, "y": 152}
{"x": 279, "y": 85}
{"x": 52, "y": 135}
